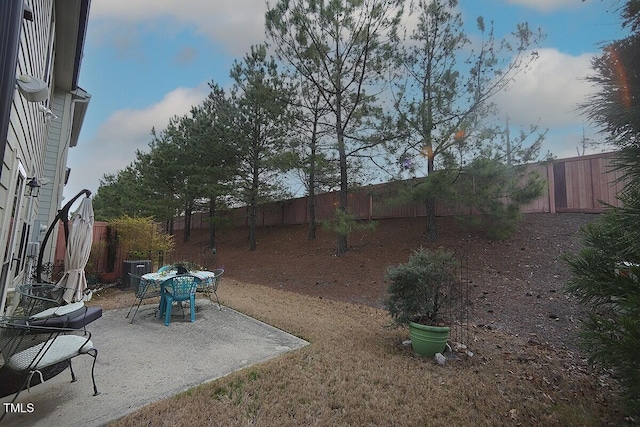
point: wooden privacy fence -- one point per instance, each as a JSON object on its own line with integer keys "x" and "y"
{"x": 98, "y": 260}
{"x": 99, "y": 254}
{"x": 574, "y": 184}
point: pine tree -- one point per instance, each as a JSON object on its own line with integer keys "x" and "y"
{"x": 606, "y": 272}
{"x": 342, "y": 48}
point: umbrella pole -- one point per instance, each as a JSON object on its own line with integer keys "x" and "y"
{"x": 63, "y": 215}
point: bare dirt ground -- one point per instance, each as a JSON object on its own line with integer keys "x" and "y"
{"x": 515, "y": 285}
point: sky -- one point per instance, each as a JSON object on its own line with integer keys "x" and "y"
{"x": 146, "y": 61}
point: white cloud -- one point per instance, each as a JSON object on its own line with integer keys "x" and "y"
{"x": 235, "y": 24}
{"x": 115, "y": 142}
{"x": 549, "y": 93}
{"x": 547, "y": 5}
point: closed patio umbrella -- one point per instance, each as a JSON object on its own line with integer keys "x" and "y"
{"x": 77, "y": 252}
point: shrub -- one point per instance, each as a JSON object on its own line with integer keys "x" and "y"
{"x": 140, "y": 234}
{"x": 495, "y": 192}
{"x": 345, "y": 223}
{"x": 425, "y": 289}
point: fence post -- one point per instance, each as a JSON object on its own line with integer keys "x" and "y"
{"x": 552, "y": 187}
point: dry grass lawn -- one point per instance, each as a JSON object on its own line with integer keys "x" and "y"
{"x": 357, "y": 372}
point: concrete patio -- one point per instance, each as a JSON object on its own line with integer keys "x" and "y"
{"x": 146, "y": 361}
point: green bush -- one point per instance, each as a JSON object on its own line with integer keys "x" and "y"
{"x": 425, "y": 289}
{"x": 345, "y": 223}
{"x": 140, "y": 234}
{"x": 495, "y": 192}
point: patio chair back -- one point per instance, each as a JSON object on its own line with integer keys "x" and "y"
{"x": 179, "y": 288}
{"x": 37, "y": 297}
{"x": 182, "y": 287}
{"x": 42, "y": 303}
{"x": 210, "y": 286}
{"x": 164, "y": 268}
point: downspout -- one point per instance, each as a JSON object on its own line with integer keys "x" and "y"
{"x": 11, "y": 16}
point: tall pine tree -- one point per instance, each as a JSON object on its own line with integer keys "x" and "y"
{"x": 606, "y": 272}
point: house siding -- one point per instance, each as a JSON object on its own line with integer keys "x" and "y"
{"x": 35, "y": 143}
{"x": 26, "y": 141}
{"x": 54, "y": 168}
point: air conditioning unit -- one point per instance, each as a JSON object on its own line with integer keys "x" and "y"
{"x": 33, "y": 249}
{"x": 138, "y": 267}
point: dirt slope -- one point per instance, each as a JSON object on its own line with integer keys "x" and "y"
{"x": 515, "y": 285}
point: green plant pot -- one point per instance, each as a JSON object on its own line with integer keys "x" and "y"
{"x": 428, "y": 340}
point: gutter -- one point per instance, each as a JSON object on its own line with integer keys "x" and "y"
{"x": 83, "y": 20}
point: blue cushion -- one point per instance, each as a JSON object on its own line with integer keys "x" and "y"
{"x": 75, "y": 320}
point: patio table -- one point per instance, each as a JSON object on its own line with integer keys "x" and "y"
{"x": 156, "y": 279}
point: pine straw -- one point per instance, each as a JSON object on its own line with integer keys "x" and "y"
{"x": 357, "y": 372}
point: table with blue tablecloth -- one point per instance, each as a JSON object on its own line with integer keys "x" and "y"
{"x": 155, "y": 280}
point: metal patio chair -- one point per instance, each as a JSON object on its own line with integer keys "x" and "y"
{"x": 143, "y": 290}
{"x": 167, "y": 268}
{"x": 210, "y": 286}
{"x": 30, "y": 352}
{"x": 43, "y": 305}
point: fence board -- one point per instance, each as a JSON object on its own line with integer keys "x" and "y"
{"x": 605, "y": 187}
{"x": 572, "y": 185}
{"x": 560, "y": 185}
{"x": 541, "y": 204}
{"x": 295, "y": 211}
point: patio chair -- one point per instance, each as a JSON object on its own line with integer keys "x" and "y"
{"x": 143, "y": 290}
{"x": 36, "y": 297}
{"x": 29, "y": 351}
{"x": 164, "y": 268}
{"x": 210, "y": 286}
{"x": 42, "y": 304}
{"x": 179, "y": 288}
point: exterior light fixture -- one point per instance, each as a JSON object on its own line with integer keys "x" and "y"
{"x": 28, "y": 12}
{"x": 48, "y": 114}
{"x": 32, "y": 88}
{"x": 33, "y": 187}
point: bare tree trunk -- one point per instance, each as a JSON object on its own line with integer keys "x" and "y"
{"x": 342, "y": 206}
{"x": 312, "y": 215}
{"x": 342, "y": 154}
{"x": 212, "y": 224}
{"x": 255, "y": 188}
{"x": 253, "y": 209}
{"x": 187, "y": 225}
{"x": 312, "y": 189}
{"x": 432, "y": 233}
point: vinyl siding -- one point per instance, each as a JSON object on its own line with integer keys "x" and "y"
{"x": 28, "y": 130}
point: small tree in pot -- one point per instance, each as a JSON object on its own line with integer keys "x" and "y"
{"x": 423, "y": 293}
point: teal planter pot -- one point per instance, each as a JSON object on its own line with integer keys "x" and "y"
{"x": 428, "y": 340}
